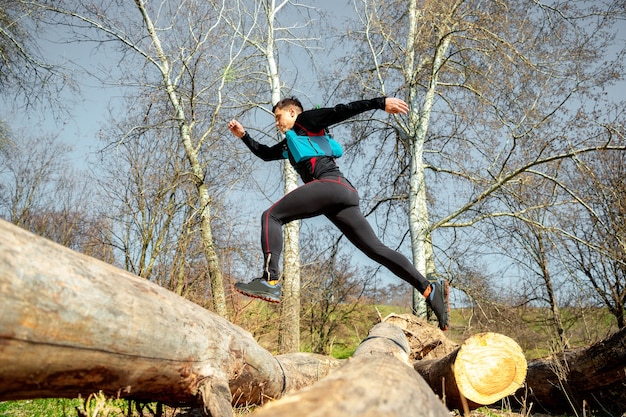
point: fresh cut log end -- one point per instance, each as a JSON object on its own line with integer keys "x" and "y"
{"x": 489, "y": 367}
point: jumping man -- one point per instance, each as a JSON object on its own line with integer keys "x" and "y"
{"x": 326, "y": 192}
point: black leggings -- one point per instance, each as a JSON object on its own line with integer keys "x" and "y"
{"x": 338, "y": 200}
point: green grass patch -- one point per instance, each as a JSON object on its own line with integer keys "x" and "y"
{"x": 385, "y": 310}
{"x": 342, "y": 351}
{"x": 40, "y": 408}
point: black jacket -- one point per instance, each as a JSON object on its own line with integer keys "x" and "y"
{"x": 314, "y": 121}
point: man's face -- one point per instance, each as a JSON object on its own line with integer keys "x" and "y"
{"x": 285, "y": 118}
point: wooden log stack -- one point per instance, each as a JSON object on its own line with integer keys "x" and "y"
{"x": 71, "y": 325}
{"x": 376, "y": 381}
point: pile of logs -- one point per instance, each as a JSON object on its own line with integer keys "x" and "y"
{"x": 71, "y": 325}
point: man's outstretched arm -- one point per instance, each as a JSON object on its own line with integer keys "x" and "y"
{"x": 266, "y": 153}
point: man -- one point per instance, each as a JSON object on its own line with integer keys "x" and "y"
{"x": 326, "y": 191}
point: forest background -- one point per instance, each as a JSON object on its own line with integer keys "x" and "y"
{"x": 506, "y": 177}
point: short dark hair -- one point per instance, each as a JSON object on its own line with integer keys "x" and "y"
{"x": 290, "y": 101}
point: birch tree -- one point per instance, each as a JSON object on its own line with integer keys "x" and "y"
{"x": 185, "y": 125}
{"x": 493, "y": 89}
{"x": 289, "y": 333}
{"x": 261, "y": 28}
{"x": 170, "y": 52}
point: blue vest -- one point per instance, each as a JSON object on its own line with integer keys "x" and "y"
{"x": 311, "y": 146}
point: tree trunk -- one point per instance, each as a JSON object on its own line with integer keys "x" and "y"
{"x": 376, "y": 381}
{"x": 218, "y": 295}
{"x": 594, "y": 375}
{"x": 419, "y": 121}
{"x": 426, "y": 341}
{"x": 289, "y": 327}
{"x": 70, "y": 325}
{"x": 484, "y": 369}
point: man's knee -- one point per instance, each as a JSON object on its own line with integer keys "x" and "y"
{"x": 268, "y": 216}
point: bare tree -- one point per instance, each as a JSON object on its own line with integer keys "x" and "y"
{"x": 491, "y": 86}
{"x": 32, "y": 170}
{"x": 529, "y": 241}
{"x": 41, "y": 192}
{"x": 333, "y": 297}
{"x": 595, "y": 244}
{"x": 26, "y": 77}
{"x": 185, "y": 124}
{"x": 289, "y": 333}
{"x": 262, "y": 30}
{"x": 175, "y": 55}
{"x": 142, "y": 193}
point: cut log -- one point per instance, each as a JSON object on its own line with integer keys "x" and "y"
{"x": 376, "y": 381}
{"x": 426, "y": 341}
{"x": 484, "y": 369}
{"x": 591, "y": 378}
{"x": 71, "y": 325}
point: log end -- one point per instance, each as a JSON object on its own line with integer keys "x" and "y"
{"x": 489, "y": 367}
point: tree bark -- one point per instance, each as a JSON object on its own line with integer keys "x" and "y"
{"x": 376, "y": 381}
{"x": 289, "y": 327}
{"x": 70, "y": 325}
{"x": 426, "y": 341}
{"x": 482, "y": 370}
{"x": 592, "y": 377}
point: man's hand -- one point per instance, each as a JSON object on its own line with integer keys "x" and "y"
{"x": 395, "y": 105}
{"x": 236, "y": 128}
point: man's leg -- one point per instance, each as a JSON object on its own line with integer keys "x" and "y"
{"x": 309, "y": 200}
{"x": 357, "y": 229}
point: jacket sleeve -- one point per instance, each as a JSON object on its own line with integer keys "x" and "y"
{"x": 318, "y": 119}
{"x": 266, "y": 153}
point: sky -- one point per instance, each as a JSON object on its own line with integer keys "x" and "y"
{"x": 90, "y": 112}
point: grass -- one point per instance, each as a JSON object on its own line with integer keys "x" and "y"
{"x": 342, "y": 352}
{"x": 40, "y": 408}
{"x": 97, "y": 405}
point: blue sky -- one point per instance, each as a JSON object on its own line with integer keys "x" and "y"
{"x": 90, "y": 112}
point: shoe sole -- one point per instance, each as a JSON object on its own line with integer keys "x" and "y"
{"x": 447, "y": 300}
{"x": 447, "y": 304}
{"x": 259, "y": 296}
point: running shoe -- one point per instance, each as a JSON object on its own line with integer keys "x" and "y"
{"x": 438, "y": 299}
{"x": 260, "y": 288}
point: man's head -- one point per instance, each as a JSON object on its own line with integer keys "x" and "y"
{"x": 286, "y": 111}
